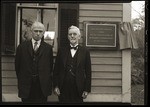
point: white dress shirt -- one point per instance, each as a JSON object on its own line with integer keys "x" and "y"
{"x": 73, "y": 51}
{"x": 33, "y": 41}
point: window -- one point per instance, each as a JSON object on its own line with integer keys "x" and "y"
{"x": 45, "y": 13}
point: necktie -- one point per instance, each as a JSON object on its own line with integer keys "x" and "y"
{"x": 35, "y": 46}
{"x": 75, "y": 48}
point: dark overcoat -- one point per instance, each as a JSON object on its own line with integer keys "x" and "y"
{"x": 83, "y": 73}
{"x": 23, "y": 66}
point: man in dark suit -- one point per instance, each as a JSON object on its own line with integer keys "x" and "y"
{"x": 33, "y": 65}
{"x": 72, "y": 70}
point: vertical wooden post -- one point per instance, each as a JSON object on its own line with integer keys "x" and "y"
{"x": 126, "y": 76}
{"x": 126, "y": 60}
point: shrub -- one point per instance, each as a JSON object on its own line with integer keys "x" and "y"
{"x": 137, "y": 62}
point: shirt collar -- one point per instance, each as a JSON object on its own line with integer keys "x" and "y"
{"x": 33, "y": 41}
{"x": 73, "y": 46}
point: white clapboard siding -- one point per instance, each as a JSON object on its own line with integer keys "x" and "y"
{"x": 9, "y": 81}
{"x": 7, "y": 59}
{"x": 106, "y": 65}
{"x": 106, "y": 82}
{"x": 106, "y": 71}
{"x": 101, "y": 6}
{"x": 105, "y": 89}
{"x": 99, "y": 53}
{"x": 100, "y": 12}
{"x": 96, "y": 60}
{"x": 9, "y": 89}
{"x": 109, "y": 68}
{"x": 106, "y": 74}
{"x": 8, "y": 66}
{"x": 95, "y": 97}
{"x": 115, "y": 19}
{"x": 6, "y": 74}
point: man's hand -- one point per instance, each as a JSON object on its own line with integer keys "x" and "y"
{"x": 84, "y": 95}
{"x": 57, "y": 91}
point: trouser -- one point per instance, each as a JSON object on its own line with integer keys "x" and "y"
{"x": 36, "y": 95}
{"x": 69, "y": 92}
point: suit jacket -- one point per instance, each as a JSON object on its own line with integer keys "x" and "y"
{"x": 83, "y": 73}
{"x": 23, "y": 67}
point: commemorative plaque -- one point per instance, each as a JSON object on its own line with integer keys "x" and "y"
{"x": 101, "y": 35}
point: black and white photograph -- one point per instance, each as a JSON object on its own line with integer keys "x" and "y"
{"x": 74, "y": 53}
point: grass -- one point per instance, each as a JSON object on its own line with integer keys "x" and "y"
{"x": 137, "y": 94}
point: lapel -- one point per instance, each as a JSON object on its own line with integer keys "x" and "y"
{"x": 41, "y": 48}
{"x": 30, "y": 47}
{"x": 66, "y": 53}
{"x": 80, "y": 55}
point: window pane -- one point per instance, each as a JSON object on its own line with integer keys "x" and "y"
{"x": 28, "y": 17}
{"x": 49, "y": 20}
{"x": 47, "y": 17}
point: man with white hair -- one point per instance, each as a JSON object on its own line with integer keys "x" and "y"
{"x": 72, "y": 70}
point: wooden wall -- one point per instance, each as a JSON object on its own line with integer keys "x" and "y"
{"x": 106, "y": 72}
{"x": 106, "y": 65}
{"x": 9, "y": 80}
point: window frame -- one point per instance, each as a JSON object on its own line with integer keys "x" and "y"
{"x": 19, "y": 8}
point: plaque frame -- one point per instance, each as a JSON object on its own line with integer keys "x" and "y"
{"x": 96, "y": 44}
